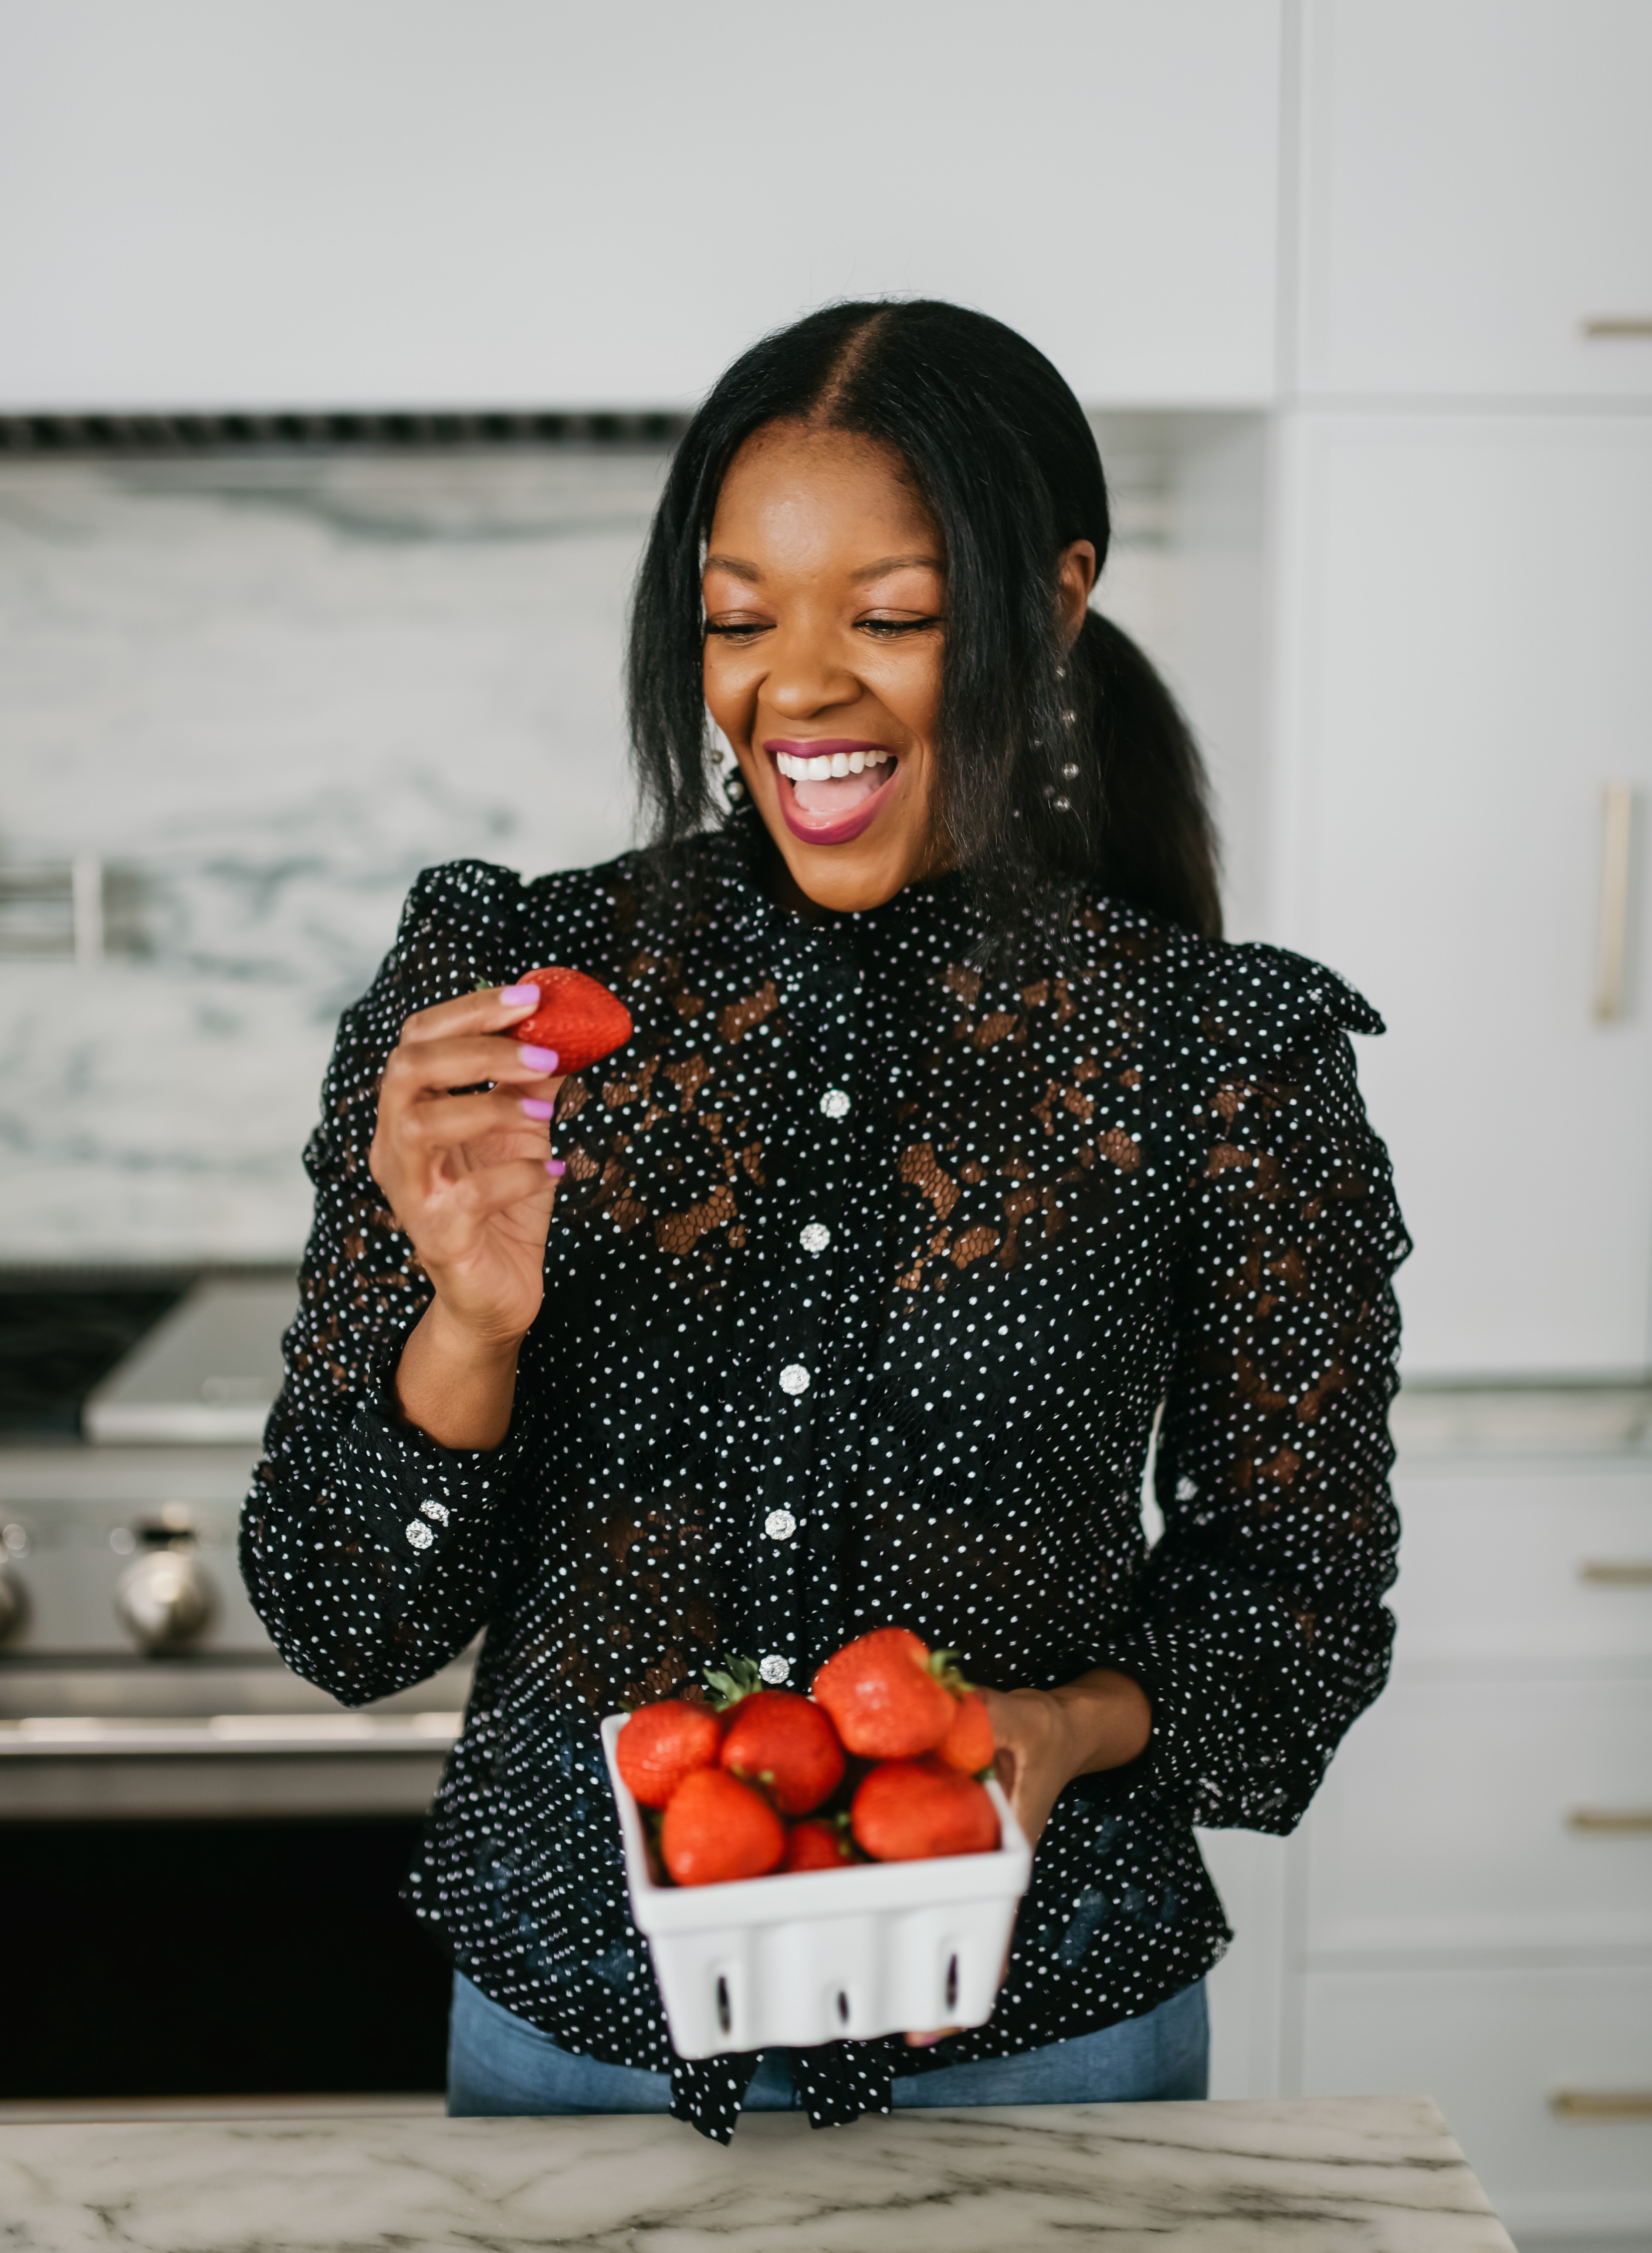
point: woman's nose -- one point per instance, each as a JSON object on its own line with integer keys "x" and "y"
{"x": 804, "y": 679}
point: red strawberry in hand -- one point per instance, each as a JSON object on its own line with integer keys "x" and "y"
{"x": 883, "y": 1696}
{"x": 819, "y": 1845}
{"x": 717, "y": 1828}
{"x": 578, "y": 1018}
{"x": 968, "y": 1744}
{"x": 786, "y": 1744}
{"x": 662, "y": 1744}
{"x": 912, "y": 1811}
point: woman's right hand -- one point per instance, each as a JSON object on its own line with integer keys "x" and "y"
{"x": 470, "y": 1180}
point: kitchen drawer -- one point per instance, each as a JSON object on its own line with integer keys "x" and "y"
{"x": 1494, "y": 2049}
{"x": 1500, "y": 1563}
{"x": 1444, "y": 1822}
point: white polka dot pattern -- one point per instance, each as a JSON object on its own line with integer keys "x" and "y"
{"x": 1136, "y": 1170}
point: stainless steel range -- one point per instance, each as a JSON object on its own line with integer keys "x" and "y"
{"x": 200, "y": 1855}
{"x": 135, "y": 1677}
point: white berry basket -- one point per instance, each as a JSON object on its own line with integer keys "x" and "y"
{"x": 789, "y": 1962}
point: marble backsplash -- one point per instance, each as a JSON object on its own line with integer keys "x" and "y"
{"x": 267, "y": 690}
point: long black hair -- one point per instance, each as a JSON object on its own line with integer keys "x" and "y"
{"x": 1057, "y": 769}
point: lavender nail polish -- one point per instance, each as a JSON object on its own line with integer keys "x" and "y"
{"x": 555, "y": 1167}
{"x": 513, "y": 996}
{"x": 538, "y": 1059}
{"x": 536, "y": 1109}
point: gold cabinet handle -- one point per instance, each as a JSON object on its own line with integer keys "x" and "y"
{"x": 1618, "y": 325}
{"x": 1606, "y": 1573}
{"x": 1614, "y": 903}
{"x": 1612, "y": 1821}
{"x": 1601, "y": 2104}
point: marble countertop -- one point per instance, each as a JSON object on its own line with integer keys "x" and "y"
{"x": 1379, "y": 2174}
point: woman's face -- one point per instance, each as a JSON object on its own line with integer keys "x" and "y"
{"x": 825, "y": 596}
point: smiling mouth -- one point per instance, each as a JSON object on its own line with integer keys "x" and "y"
{"x": 831, "y": 788}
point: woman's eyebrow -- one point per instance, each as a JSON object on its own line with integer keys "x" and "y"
{"x": 738, "y": 568}
{"x": 898, "y": 563}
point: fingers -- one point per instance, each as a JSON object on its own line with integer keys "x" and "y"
{"x": 444, "y": 1124}
{"x": 488, "y": 1011}
{"x": 496, "y": 1189}
{"x": 432, "y": 1066}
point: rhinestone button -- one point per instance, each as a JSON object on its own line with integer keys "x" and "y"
{"x": 780, "y": 1525}
{"x": 419, "y": 1534}
{"x": 774, "y": 1668}
{"x": 436, "y": 1510}
{"x": 794, "y": 1379}
{"x": 835, "y": 1103}
{"x": 815, "y": 1237}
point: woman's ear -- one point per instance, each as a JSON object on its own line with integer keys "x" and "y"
{"x": 1075, "y": 578}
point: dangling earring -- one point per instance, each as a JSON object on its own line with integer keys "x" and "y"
{"x": 1070, "y": 772}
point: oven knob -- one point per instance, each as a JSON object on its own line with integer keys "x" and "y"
{"x": 164, "y": 1599}
{"x": 14, "y": 1604}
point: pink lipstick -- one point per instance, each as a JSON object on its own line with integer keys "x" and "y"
{"x": 831, "y": 786}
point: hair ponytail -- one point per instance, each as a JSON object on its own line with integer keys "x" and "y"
{"x": 1057, "y": 771}
{"x": 1157, "y": 847}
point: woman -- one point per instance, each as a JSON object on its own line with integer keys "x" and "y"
{"x": 952, "y": 1141}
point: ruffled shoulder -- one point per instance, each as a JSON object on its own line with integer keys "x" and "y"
{"x": 470, "y": 923}
{"x": 1252, "y": 994}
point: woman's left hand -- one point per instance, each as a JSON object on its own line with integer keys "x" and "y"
{"x": 1044, "y": 1738}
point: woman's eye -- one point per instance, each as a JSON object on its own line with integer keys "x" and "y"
{"x": 885, "y": 629}
{"x": 739, "y": 632}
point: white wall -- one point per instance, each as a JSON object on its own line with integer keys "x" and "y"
{"x": 337, "y": 203}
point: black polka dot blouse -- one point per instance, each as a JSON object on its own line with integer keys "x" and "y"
{"x": 865, "y": 1284}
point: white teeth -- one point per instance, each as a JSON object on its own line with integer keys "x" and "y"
{"x": 829, "y": 762}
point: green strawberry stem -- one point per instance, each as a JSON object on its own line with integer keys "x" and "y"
{"x": 944, "y": 1665}
{"x": 736, "y": 1678}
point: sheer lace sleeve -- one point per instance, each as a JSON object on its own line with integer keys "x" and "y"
{"x": 372, "y": 1554}
{"x": 1259, "y": 1631}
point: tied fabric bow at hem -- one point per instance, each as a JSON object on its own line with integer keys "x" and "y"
{"x": 836, "y": 2084}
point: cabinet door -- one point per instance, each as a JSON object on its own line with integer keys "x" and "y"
{"x": 1506, "y": 1566}
{"x": 1494, "y": 2049}
{"x": 1467, "y": 666}
{"x": 1476, "y": 189}
{"x": 1489, "y": 1815}
{"x": 601, "y": 206}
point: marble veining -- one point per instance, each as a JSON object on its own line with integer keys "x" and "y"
{"x": 267, "y": 692}
{"x": 1367, "y": 2175}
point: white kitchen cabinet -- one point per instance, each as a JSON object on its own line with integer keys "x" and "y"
{"x": 1449, "y": 1926}
{"x": 1476, "y": 188}
{"x": 1464, "y": 667}
{"x": 1496, "y": 1813}
{"x": 1494, "y": 2047}
{"x": 482, "y": 203}
{"x": 1552, "y": 1565}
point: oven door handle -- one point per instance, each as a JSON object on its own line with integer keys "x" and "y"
{"x": 59, "y": 1736}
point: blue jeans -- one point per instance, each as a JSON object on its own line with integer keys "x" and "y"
{"x": 498, "y": 2063}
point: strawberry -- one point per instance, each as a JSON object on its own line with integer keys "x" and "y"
{"x": 910, "y": 1810}
{"x": 578, "y": 1018}
{"x": 967, "y": 1744}
{"x": 820, "y": 1843}
{"x": 717, "y": 1828}
{"x": 659, "y": 1745}
{"x": 786, "y": 1744}
{"x": 883, "y": 1696}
